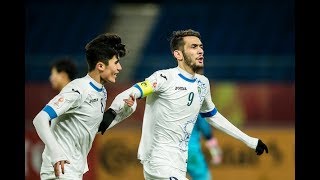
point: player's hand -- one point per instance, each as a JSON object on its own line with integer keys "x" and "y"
{"x": 130, "y": 101}
{"x": 58, "y": 165}
{"x": 215, "y": 151}
{"x": 261, "y": 147}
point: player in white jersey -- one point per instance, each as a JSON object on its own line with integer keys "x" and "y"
{"x": 175, "y": 96}
{"x": 78, "y": 110}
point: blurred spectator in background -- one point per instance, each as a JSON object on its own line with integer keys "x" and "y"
{"x": 77, "y": 111}
{"x": 197, "y": 167}
{"x": 63, "y": 71}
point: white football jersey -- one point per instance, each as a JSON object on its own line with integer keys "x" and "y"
{"x": 76, "y": 114}
{"x": 170, "y": 114}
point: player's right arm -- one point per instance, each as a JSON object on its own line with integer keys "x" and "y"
{"x": 42, "y": 127}
{"x": 61, "y": 103}
{"x": 41, "y": 124}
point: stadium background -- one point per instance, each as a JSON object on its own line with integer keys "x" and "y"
{"x": 250, "y": 61}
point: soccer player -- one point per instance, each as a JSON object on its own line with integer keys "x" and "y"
{"x": 174, "y": 98}
{"x": 197, "y": 166}
{"x": 78, "y": 110}
{"x": 62, "y": 71}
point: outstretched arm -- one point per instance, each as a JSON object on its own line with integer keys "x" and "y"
{"x": 121, "y": 107}
{"x": 119, "y": 110}
{"x": 209, "y": 111}
{"x": 221, "y": 123}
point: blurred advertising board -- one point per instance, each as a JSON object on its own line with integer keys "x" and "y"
{"x": 241, "y": 162}
{"x": 114, "y": 155}
{"x": 117, "y": 156}
{"x": 116, "y": 152}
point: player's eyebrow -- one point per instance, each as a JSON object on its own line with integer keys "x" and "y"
{"x": 196, "y": 45}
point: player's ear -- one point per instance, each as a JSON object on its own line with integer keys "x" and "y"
{"x": 100, "y": 66}
{"x": 177, "y": 54}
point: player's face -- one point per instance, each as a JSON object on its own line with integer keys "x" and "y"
{"x": 112, "y": 70}
{"x": 56, "y": 79}
{"x": 193, "y": 53}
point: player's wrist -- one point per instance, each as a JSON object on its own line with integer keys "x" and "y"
{"x": 107, "y": 119}
{"x": 212, "y": 142}
{"x": 56, "y": 156}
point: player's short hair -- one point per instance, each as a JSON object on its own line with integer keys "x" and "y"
{"x": 103, "y": 48}
{"x": 65, "y": 64}
{"x": 176, "y": 39}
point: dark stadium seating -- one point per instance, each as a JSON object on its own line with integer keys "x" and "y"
{"x": 243, "y": 40}
{"x": 59, "y": 28}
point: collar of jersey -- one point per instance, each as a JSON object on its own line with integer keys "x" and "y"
{"x": 95, "y": 85}
{"x": 186, "y": 76}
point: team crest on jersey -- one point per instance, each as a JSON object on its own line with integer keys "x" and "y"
{"x": 59, "y": 101}
{"x": 199, "y": 90}
{"x": 202, "y": 89}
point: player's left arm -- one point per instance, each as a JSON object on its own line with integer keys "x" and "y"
{"x": 119, "y": 110}
{"x": 213, "y": 117}
{"x": 221, "y": 123}
{"x": 121, "y": 107}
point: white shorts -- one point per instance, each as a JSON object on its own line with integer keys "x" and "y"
{"x": 51, "y": 176}
{"x": 47, "y": 172}
{"x": 163, "y": 173}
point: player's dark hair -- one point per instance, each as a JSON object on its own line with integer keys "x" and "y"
{"x": 66, "y": 64}
{"x": 103, "y": 48}
{"x": 176, "y": 39}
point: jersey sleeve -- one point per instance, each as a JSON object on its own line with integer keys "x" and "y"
{"x": 221, "y": 123}
{"x": 68, "y": 98}
{"x": 121, "y": 108}
{"x": 208, "y": 108}
{"x": 213, "y": 117}
{"x": 151, "y": 84}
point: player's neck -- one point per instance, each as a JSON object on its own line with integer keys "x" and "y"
{"x": 187, "y": 69}
{"x": 95, "y": 76}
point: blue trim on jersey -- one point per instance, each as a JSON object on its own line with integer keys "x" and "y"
{"x": 50, "y": 111}
{"x": 95, "y": 87}
{"x": 187, "y": 79}
{"x": 209, "y": 114}
{"x": 138, "y": 87}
